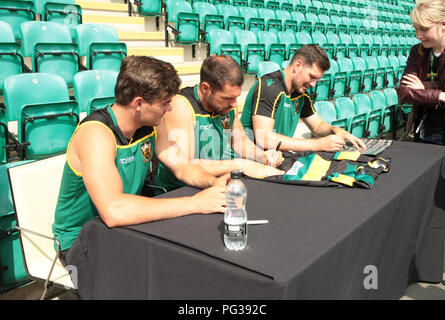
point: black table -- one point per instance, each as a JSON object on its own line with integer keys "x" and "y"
{"x": 321, "y": 243}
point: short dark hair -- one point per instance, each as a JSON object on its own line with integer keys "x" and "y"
{"x": 147, "y": 77}
{"x": 310, "y": 54}
{"x": 219, "y": 70}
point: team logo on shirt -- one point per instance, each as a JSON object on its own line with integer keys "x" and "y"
{"x": 225, "y": 122}
{"x": 146, "y": 150}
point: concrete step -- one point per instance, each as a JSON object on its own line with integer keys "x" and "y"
{"x": 172, "y": 55}
{"x": 122, "y": 23}
{"x": 139, "y": 39}
{"x": 103, "y": 8}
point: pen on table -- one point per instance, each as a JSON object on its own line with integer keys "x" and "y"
{"x": 257, "y": 221}
{"x": 274, "y": 155}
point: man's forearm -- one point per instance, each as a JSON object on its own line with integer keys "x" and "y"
{"x": 196, "y": 176}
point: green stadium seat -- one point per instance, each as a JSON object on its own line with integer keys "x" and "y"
{"x": 367, "y": 81}
{"x": 353, "y": 82}
{"x": 11, "y": 60}
{"x": 16, "y": 12}
{"x": 373, "y": 66}
{"x": 65, "y": 12}
{"x": 275, "y": 51}
{"x": 267, "y": 15}
{"x": 298, "y": 17}
{"x": 323, "y": 22}
{"x": 253, "y": 52}
{"x": 302, "y": 38}
{"x": 327, "y": 112}
{"x": 266, "y": 67}
{"x": 274, "y": 5}
{"x": 309, "y": 24}
{"x": 223, "y": 42}
{"x": 232, "y": 20}
{"x": 401, "y": 113}
{"x": 13, "y": 272}
{"x": 186, "y": 28}
{"x": 322, "y": 90}
{"x": 387, "y": 112}
{"x": 255, "y": 4}
{"x": 346, "y": 112}
{"x": 208, "y": 17}
{"x": 46, "y": 116}
{"x": 239, "y": 3}
{"x": 94, "y": 89}
{"x": 390, "y": 72}
{"x": 100, "y": 45}
{"x": 363, "y": 105}
{"x": 149, "y": 7}
{"x": 50, "y": 46}
{"x": 287, "y": 38}
{"x": 339, "y": 82}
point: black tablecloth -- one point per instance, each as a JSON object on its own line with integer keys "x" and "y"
{"x": 320, "y": 243}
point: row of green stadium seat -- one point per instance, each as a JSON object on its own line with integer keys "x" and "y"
{"x": 50, "y": 46}
{"x": 368, "y": 116}
{"x": 15, "y": 12}
{"x": 193, "y": 24}
{"x": 46, "y": 115}
{"x": 250, "y": 48}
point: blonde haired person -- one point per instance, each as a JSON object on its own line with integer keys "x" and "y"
{"x": 423, "y": 82}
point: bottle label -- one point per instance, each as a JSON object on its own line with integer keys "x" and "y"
{"x": 235, "y": 230}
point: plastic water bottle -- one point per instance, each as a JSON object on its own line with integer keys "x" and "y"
{"x": 235, "y": 217}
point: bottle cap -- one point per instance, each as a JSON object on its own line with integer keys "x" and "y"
{"x": 236, "y": 174}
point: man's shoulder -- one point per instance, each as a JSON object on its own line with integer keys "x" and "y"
{"x": 272, "y": 83}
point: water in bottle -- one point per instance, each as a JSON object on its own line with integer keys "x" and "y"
{"x": 235, "y": 217}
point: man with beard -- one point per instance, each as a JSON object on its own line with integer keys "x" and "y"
{"x": 204, "y": 124}
{"x": 277, "y": 100}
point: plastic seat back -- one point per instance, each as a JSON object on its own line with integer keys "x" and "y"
{"x": 326, "y": 110}
{"x": 50, "y": 46}
{"x": 266, "y": 67}
{"x": 186, "y": 21}
{"x": 287, "y": 38}
{"x": 253, "y": 52}
{"x": 275, "y": 51}
{"x": 11, "y": 60}
{"x": 150, "y": 8}
{"x": 387, "y": 112}
{"x": 15, "y": 13}
{"x": 46, "y": 115}
{"x": 363, "y": 105}
{"x": 35, "y": 189}
{"x": 100, "y": 45}
{"x": 94, "y": 85}
{"x": 65, "y": 12}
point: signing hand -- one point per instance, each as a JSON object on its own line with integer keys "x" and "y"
{"x": 412, "y": 82}
{"x": 273, "y": 158}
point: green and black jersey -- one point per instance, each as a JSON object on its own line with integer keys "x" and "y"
{"x": 323, "y": 169}
{"x": 270, "y": 97}
{"x": 212, "y": 137}
{"x": 133, "y": 160}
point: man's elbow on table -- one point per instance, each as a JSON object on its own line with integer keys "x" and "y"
{"x": 112, "y": 214}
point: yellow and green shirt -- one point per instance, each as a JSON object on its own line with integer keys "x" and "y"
{"x": 212, "y": 137}
{"x": 270, "y": 97}
{"x": 133, "y": 160}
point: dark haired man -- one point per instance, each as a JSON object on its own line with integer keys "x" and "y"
{"x": 110, "y": 154}
{"x": 205, "y": 125}
{"x": 277, "y": 100}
